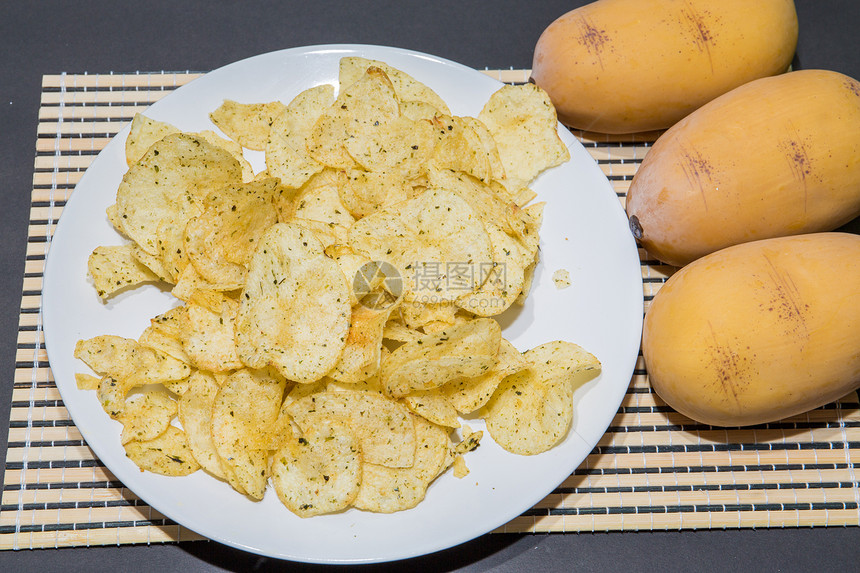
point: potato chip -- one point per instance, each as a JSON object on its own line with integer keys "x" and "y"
{"x": 359, "y": 111}
{"x": 168, "y": 454}
{"x": 209, "y": 337}
{"x": 143, "y": 133}
{"x": 461, "y": 470}
{"x": 294, "y": 312}
{"x": 115, "y": 268}
{"x": 231, "y": 147}
{"x": 192, "y": 288}
{"x": 433, "y": 406}
{"x": 127, "y": 360}
{"x": 459, "y": 148}
{"x": 524, "y": 125}
{"x": 363, "y": 350}
{"x": 399, "y": 332}
{"x": 386, "y": 490}
{"x": 153, "y": 263}
{"x": 419, "y": 110}
{"x": 221, "y": 240}
{"x": 287, "y": 154}
{"x": 398, "y": 145}
{"x": 87, "y": 381}
{"x": 168, "y": 183}
{"x": 494, "y": 159}
{"x": 435, "y": 240}
{"x": 247, "y": 123}
{"x": 468, "y": 394}
{"x": 164, "y": 334}
{"x": 363, "y": 193}
{"x": 319, "y": 199}
{"x": 532, "y": 409}
{"x": 195, "y": 415}
{"x": 319, "y": 471}
{"x": 407, "y": 88}
{"x": 383, "y": 427}
{"x": 244, "y": 408}
{"x": 463, "y": 350}
{"x": 146, "y": 416}
{"x": 327, "y": 233}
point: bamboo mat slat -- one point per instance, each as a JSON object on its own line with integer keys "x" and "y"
{"x": 654, "y": 469}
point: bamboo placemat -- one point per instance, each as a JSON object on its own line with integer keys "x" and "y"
{"x": 653, "y": 470}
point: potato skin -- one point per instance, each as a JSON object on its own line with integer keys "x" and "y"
{"x": 778, "y": 156}
{"x": 624, "y": 66}
{"x": 758, "y": 332}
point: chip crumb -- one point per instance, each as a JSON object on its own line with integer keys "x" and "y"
{"x": 460, "y": 469}
{"x": 561, "y": 278}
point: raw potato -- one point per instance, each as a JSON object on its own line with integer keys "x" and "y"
{"x": 623, "y": 66}
{"x": 768, "y": 159}
{"x": 759, "y": 331}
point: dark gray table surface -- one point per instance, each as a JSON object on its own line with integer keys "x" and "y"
{"x": 47, "y": 37}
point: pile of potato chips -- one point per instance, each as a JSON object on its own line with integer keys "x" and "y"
{"x": 335, "y": 310}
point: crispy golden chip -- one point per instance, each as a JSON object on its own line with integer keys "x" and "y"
{"x": 294, "y": 311}
{"x": 153, "y": 263}
{"x": 247, "y": 123}
{"x": 164, "y": 334}
{"x": 408, "y": 89}
{"x": 221, "y": 241}
{"x": 287, "y": 154}
{"x": 319, "y": 199}
{"x": 168, "y": 183}
{"x": 433, "y": 406}
{"x": 359, "y": 110}
{"x": 363, "y": 351}
{"x": 398, "y": 145}
{"x": 460, "y": 468}
{"x": 418, "y": 110}
{"x": 195, "y": 415}
{"x": 435, "y": 240}
{"x": 143, "y": 133}
{"x": 524, "y": 125}
{"x": 460, "y": 148}
{"x": 468, "y": 394}
{"x": 231, "y": 147}
{"x": 319, "y": 471}
{"x": 532, "y": 409}
{"x": 209, "y": 337}
{"x": 126, "y": 359}
{"x": 87, "y": 381}
{"x": 115, "y": 268}
{"x": 146, "y": 416}
{"x": 397, "y": 331}
{"x": 418, "y": 315}
{"x": 168, "y": 454}
{"x": 386, "y": 490}
{"x": 192, "y": 288}
{"x": 244, "y": 408}
{"x": 383, "y": 427}
{"x": 364, "y": 193}
{"x": 497, "y": 168}
{"x": 463, "y": 350}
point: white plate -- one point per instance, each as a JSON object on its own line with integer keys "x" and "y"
{"x": 584, "y": 231}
